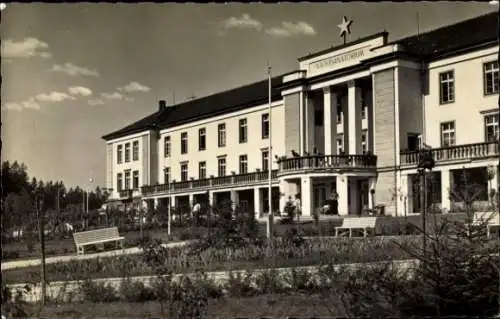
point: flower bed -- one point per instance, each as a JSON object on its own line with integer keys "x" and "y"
{"x": 314, "y": 251}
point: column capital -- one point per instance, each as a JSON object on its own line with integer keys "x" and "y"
{"x": 351, "y": 84}
{"x": 327, "y": 90}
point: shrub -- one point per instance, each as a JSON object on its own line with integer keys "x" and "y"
{"x": 135, "y": 291}
{"x": 98, "y": 291}
{"x": 12, "y": 305}
{"x": 240, "y": 285}
{"x": 7, "y": 254}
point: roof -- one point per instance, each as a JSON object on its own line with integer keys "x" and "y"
{"x": 452, "y": 38}
{"x": 216, "y": 104}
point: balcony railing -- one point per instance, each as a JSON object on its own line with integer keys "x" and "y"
{"x": 454, "y": 153}
{"x": 322, "y": 162}
{"x": 205, "y": 184}
{"x": 125, "y": 193}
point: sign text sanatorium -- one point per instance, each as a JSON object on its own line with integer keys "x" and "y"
{"x": 341, "y": 58}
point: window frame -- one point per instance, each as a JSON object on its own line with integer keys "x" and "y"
{"x": 492, "y": 73}
{"x": 119, "y": 182}
{"x": 119, "y": 154}
{"x": 166, "y": 175}
{"x": 221, "y": 135}
{"x": 340, "y": 148}
{"x": 135, "y": 174}
{"x": 265, "y": 160}
{"x": 264, "y": 120}
{"x": 364, "y": 134}
{"x": 442, "y": 131}
{"x": 202, "y": 139}
{"x": 202, "y": 168}
{"x": 127, "y": 180}
{"x": 452, "y": 85}
{"x": 167, "y": 146}
{"x": 184, "y": 142}
{"x": 243, "y": 130}
{"x": 127, "y": 153}
{"x": 184, "y": 172}
{"x": 221, "y": 160}
{"x": 243, "y": 164}
{"x": 495, "y": 130}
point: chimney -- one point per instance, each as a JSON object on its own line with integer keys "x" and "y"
{"x": 162, "y": 104}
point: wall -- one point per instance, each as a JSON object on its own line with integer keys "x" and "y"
{"x": 410, "y": 104}
{"x": 232, "y": 150}
{"x": 384, "y": 139}
{"x": 469, "y": 98}
{"x": 292, "y": 125}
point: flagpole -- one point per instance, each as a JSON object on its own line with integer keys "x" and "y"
{"x": 270, "y": 165}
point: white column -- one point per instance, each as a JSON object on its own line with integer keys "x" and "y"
{"x": 372, "y": 183}
{"x": 330, "y": 120}
{"x": 191, "y": 200}
{"x": 210, "y": 198}
{"x": 257, "y": 201}
{"x": 309, "y": 123}
{"x": 306, "y": 193}
{"x": 342, "y": 191}
{"x": 234, "y": 199}
{"x": 155, "y": 203}
{"x": 354, "y": 118}
{"x": 445, "y": 190}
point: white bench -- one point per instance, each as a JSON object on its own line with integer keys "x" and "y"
{"x": 95, "y": 237}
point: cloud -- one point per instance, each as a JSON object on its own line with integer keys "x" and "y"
{"x": 27, "y": 48}
{"x": 96, "y": 102}
{"x": 30, "y": 103}
{"x": 54, "y": 97}
{"x": 288, "y": 29}
{"x": 74, "y": 70}
{"x": 243, "y": 22}
{"x": 79, "y": 90}
{"x": 116, "y": 96}
{"x": 134, "y": 87}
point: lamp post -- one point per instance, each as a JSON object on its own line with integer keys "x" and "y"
{"x": 91, "y": 180}
{"x": 41, "y": 233}
{"x": 425, "y": 166}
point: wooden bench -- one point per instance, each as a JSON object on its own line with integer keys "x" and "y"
{"x": 96, "y": 237}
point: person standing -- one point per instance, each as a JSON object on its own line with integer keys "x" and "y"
{"x": 298, "y": 207}
{"x": 335, "y": 203}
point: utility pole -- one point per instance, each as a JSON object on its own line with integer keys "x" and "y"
{"x": 41, "y": 234}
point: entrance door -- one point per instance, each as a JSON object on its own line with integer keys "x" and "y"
{"x": 363, "y": 195}
{"x": 319, "y": 191}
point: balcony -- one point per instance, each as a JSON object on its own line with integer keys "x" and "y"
{"x": 211, "y": 183}
{"x": 454, "y": 153}
{"x": 325, "y": 163}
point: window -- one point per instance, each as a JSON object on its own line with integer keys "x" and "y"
{"x": 119, "y": 155}
{"x": 364, "y": 107}
{"x": 202, "y": 139}
{"x": 490, "y": 70}
{"x": 243, "y": 164}
{"x": 127, "y": 179}
{"x": 339, "y": 113}
{"x": 135, "y": 151}
{"x": 318, "y": 116}
{"x": 491, "y": 127}
{"x": 265, "y": 160}
{"x": 364, "y": 141}
{"x": 184, "y": 142}
{"x": 265, "y": 125}
{"x": 166, "y": 175}
{"x": 447, "y": 134}
{"x": 202, "y": 170}
{"x": 167, "y": 146}
{"x": 135, "y": 180}
{"x": 184, "y": 172}
{"x": 221, "y": 163}
{"x": 340, "y": 144}
{"x": 127, "y": 152}
{"x": 243, "y": 131}
{"x": 446, "y": 87}
{"x": 119, "y": 181}
{"x": 221, "y": 129}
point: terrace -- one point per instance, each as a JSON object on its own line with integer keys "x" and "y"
{"x": 443, "y": 155}
{"x": 233, "y": 180}
{"x": 325, "y": 163}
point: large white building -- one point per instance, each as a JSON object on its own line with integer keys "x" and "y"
{"x": 365, "y": 107}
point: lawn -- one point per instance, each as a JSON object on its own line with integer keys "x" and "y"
{"x": 65, "y": 246}
{"x": 179, "y": 260}
{"x": 264, "y": 306}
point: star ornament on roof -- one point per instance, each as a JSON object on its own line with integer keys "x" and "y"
{"x": 345, "y": 27}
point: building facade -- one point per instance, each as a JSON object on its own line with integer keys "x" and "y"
{"x": 351, "y": 119}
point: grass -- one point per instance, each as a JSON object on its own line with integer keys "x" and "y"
{"x": 313, "y": 252}
{"x": 263, "y": 306}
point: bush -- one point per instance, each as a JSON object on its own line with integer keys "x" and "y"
{"x": 135, "y": 291}
{"x": 239, "y": 285}
{"x": 8, "y": 255}
{"x": 98, "y": 291}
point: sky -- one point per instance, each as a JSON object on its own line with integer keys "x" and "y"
{"x": 74, "y": 72}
